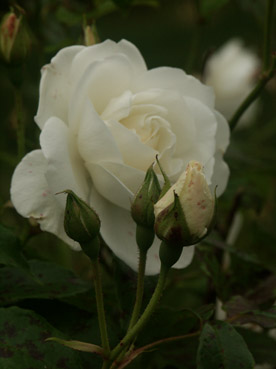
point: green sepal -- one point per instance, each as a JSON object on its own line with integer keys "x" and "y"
{"x": 81, "y": 223}
{"x": 142, "y": 209}
{"x": 144, "y": 237}
{"x": 167, "y": 184}
{"x": 91, "y": 248}
{"x": 169, "y": 254}
{"x": 171, "y": 225}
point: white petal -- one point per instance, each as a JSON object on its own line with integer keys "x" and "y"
{"x": 204, "y": 145}
{"x": 134, "y": 56}
{"x": 220, "y": 174}
{"x": 55, "y": 86}
{"x": 64, "y": 170}
{"x": 118, "y": 230}
{"x": 221, "y": 171}
{"x": 185, "y": 258}
{"x": 223, "y": 133}
{"x": 32, "y": 197}
{"x": 111, "y": 185}
{"x": 95, "y": 141}
{"x": 100, "y": 82}
{"x": 118, "y": 107}
{"x": 176, "y": 80}
{"x": 134, "y": 152}
{"x": 104, "y": 50}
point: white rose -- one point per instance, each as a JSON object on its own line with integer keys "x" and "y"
{"x": 232, "y": 72}
{"x": 104, "y": 117}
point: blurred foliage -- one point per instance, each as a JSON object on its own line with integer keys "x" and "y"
{"x": 51, "y": 284}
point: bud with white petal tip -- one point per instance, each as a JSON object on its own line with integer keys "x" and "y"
{"x": 185, "y": 214}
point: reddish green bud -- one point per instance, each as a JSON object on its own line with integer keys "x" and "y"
{"x": 142, "y": 209}
{"x": 82, "y": 224}
{"x": 14, "y": 39}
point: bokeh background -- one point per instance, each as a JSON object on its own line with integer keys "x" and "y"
{"x": 177, "y": 33}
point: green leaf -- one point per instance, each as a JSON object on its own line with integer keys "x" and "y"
{"x": 50, "y": 282}
{"x": 207, "y": 7}
{"x": 261, "y": 345}
{"x": 221, "y": 346}
{"x": 23, "y": 345}
{"x": 10, "y": 249}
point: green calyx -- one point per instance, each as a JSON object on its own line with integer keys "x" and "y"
{"x": 142, "y": 209}
{"x": 167, "y": 183}
{"x": 144, "y": 237}
{"x": 169, "y": 254}
{"x": 81, "y": 223}
{"x": 171, "y": 225}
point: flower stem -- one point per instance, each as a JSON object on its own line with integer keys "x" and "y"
{"x": 265, "y": 77}
{"x": 140, "y": 289}
{"x": 268, "y": 70}
{"x": 132, "y": 333}
{"x": 100, "y": 305}
{"x": 267, "y": 34}
{"x": 20, "y": 129}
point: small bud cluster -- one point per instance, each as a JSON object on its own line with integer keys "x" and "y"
{"x": 181, "y": 215}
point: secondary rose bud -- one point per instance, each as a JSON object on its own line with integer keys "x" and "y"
{"x": 14, "y": 39}
{"x": 82, "y": 224}
{"x": 142, "y": 209}
{"x": 184, "y": 215}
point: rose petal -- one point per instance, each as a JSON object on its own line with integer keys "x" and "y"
{"x": 223, "y": 132}
{"x": 64, "y": 169}
{"x": 32, "y": 197}
{"x": 111, "y": 186}
{"x": 118, "y": 107}
{"x": 55, "y": 86}
{"x": 103, "y": 50}
{"x": 95, "y": 141}
{"x": 134, "y": 152}
{"x": 111, "y": 76}
{"x": 176, "y": 80}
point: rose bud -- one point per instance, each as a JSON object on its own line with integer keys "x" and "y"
{"x": 142, "y": 209}
{"x": 82, "y": 224}
{"x": 184, "y": 215}
{"x": 14, "y": 39}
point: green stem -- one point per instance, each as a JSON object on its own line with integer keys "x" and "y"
{"x": 267, "y": 73}
{"x": 265, "y": 77}
{"x": 132, "y": 333}
{"x": 100, "y": 305}
{"x": 267, "y": 34}
{"x": 20, "y": 129}
{"x": 140, "y": 289}
{"x": 139, "y": 294}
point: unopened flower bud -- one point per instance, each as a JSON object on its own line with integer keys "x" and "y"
{"x": 82, "y": 224}
{"x": 184, "y": 215}
{"x": 90, "y": 34}
{"x": 142, "y": 209}
{"x": 14, "y": 39}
